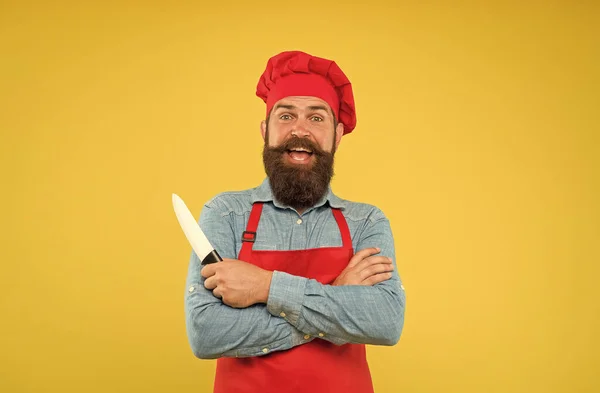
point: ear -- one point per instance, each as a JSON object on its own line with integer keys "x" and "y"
{"x": 339, "y": 132}
{"x": 263, "y": 129}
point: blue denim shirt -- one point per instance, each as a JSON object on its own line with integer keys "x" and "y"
{"x": 298, "y": 309}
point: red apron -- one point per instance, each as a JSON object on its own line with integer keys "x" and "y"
{"x": 314, "y": 367}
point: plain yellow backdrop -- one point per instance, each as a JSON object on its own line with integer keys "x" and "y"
{"x": 477, "y": 135}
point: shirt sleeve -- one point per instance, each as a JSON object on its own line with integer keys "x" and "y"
{"x": 216, "y": 330}
{"x": 345, "y": 314}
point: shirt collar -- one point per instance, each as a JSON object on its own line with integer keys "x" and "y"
{"x": 263, "y": 193}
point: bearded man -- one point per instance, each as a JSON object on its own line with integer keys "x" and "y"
{"x": 292, "y": 305}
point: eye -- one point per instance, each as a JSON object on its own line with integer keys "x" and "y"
{"x": 317, "y": 118}
{"x": 285, "y": 116}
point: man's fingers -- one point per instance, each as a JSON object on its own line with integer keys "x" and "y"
{"x": 376, "y": 269}
{"x": 374, "y": 260}
{"x": 377, "y": 278}
{"x": 210, "y": 283}
{"x": 362, "y": 254}
{"x": 217, "y": 293}
{"x": 208, "y": 270}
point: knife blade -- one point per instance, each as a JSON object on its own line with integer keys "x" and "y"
{"x": 200, "y": 244}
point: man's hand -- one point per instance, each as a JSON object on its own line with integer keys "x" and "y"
{"x": 238, "y": 284}
{"x": 366, "y": 269}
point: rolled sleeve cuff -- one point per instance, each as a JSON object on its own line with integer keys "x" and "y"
{"x": 286, "y": 296}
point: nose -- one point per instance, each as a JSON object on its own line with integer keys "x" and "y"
{"x": 300, "y": 130}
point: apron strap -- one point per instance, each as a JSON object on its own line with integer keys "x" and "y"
{"x": 249, "y": 234}
{"x": 343, "y": 225}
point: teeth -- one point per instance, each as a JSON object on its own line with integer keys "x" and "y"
{"x": 301, "y": 149}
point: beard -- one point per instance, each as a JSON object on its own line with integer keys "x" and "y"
{"x": 298, "y": 185}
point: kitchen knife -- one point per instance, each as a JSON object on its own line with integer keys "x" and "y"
{"x": 200, "y": 244}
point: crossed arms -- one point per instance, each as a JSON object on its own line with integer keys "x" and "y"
{"x": 235, "y": 309}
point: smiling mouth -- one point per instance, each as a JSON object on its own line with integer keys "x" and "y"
{"x": 300, "y": 154}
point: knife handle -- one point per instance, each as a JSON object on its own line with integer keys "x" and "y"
{"x": 212, "y": 257}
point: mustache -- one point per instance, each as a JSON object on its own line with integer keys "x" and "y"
{"x": 298, "y": 143}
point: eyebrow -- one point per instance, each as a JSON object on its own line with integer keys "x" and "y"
{"x": 318, "y": 107}
{"x": 289, "y": 107}
{"x": 312, "y": 107}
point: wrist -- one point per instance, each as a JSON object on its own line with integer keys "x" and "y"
{"x": 263, "y": 295}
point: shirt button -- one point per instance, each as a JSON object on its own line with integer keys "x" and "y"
{"x": 306, "y": 336}
{"x": 191, "y": 289}
{"x": 282, "y": 314}
{"x": 299, "y": 222}
{"x": 265, "y": 350}
{"x": 321, "y": 334}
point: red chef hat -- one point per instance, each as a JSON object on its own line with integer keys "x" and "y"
{"x": 296, "y": 73}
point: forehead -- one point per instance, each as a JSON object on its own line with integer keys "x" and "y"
{"x": 302, "y": 102}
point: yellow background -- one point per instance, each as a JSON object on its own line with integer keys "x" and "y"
{"x": 477, "y": 135}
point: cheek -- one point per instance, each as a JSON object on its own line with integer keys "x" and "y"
{"x": 326, "y": 141}
{"x": 276, "y": 135}
{"x": 274, "y": 140}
